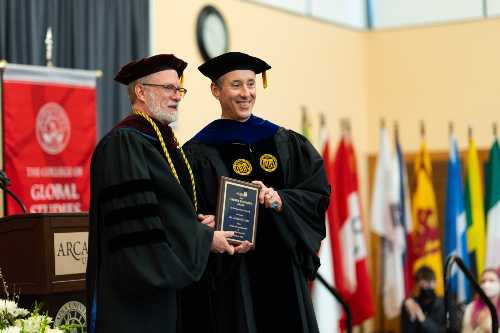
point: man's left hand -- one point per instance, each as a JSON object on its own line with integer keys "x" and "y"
{"x": 208, "y": 220}
{"x": 269, "y": 197}
{"x": 243, "y": 247}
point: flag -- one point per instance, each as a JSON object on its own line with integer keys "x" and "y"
{"x": 492, "y": 204}
{"x": 426, "y": 238}
{"x": 474, "y": 210}
{"x": 326, "y": 307}
{"x": 406, "y": 220}
{"x": 455, "y": 242}
{"x": 305, "y": 124}
{"x": 386, "y": 222}
{"x": 351, "y": 277}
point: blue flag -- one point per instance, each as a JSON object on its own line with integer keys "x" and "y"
{"x": 406, "y": 220}
{"x": 456, "y": 224}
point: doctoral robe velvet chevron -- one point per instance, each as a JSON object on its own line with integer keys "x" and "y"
{"x": 263, "y": 290}
{"x": 145, "y": 241}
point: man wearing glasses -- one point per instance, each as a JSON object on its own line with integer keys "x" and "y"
{"x": 262, "y": 290}
{"x": 145, "y": 241}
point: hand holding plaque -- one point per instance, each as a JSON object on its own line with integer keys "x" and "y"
{"x": 237, "y": 209}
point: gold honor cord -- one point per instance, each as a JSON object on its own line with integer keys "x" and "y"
{"x": 167, "y": 155}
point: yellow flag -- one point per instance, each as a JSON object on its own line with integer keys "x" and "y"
{"x": 426, "y": 235}
{"x": 474, "y": 210}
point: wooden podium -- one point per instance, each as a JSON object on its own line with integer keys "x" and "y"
{"x": 44, "y": 257}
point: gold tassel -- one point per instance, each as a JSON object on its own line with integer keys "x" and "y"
{"x": 264, "y": 79}
{"x": 182, "y": 84}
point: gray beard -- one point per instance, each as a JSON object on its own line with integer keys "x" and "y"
{"x": 163, "y": 115}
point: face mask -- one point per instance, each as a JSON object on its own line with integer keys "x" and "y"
{"x": 491, "y": 289}
{"x": 427, "y": 295}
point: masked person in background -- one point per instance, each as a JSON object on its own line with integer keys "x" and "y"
{"x": 477, "y": 317}
{"x": 425, "y": 312}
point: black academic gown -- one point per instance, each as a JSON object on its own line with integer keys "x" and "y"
{"x": 434, "y": 318}
{"x": 264, "y": 290}
{"x": 144, "y": 241}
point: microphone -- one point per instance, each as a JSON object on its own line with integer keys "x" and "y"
{"x": 4, "y": 182}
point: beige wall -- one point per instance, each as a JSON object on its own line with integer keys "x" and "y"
{"x": 435, "y": 74}
{"x": 315, "y": 64}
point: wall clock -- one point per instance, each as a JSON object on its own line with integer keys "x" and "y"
{"x": 211, "y": 33}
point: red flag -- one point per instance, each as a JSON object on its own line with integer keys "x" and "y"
{"x": 351, "y": 274}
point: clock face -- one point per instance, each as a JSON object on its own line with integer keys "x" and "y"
{"x": 211, "y": 33}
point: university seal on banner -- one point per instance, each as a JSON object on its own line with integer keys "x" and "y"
{"x": 53, "y": 128}
{"x": 268, "y": 162}
{"x": 73, "y": 313}
{"x": 242, "y": 167}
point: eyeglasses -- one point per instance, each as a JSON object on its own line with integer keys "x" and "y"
{"x": 170, "y": 88}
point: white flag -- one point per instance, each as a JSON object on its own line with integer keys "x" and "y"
{"x": 387, "y": 223}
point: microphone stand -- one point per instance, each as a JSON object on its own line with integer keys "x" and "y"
{"x": 342, "y": 302}
{"x": 447, "y": 275}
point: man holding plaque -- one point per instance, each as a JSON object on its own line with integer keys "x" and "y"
{"x": 264, "y": 288}
{"x": 145, "y": 242}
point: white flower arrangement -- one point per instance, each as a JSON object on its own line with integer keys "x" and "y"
{"x": 14, "y": 319}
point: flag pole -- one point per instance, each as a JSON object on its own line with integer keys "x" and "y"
{"x": 322, "y": 125}
{"x": 450, "y": 128}
{"x": 495, "y": 130}
{"x": 422, "y": 130}
{"x": 306, "y": 128}
{"x": 322, "y": 129}
{"x": 422, "y": 139}
{"x": 345, "y": 129}
{"x": 382, "y": 270}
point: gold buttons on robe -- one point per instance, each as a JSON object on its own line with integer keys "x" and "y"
{"x": 268, "y": 162}
{"x": 242, "y": 167}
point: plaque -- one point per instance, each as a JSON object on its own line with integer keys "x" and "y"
{"x": 237, "y": 209}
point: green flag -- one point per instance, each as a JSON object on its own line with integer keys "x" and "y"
{"x": 492, "y": 205}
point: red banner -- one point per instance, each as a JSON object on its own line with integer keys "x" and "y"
{"x": 49, "y": 122}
